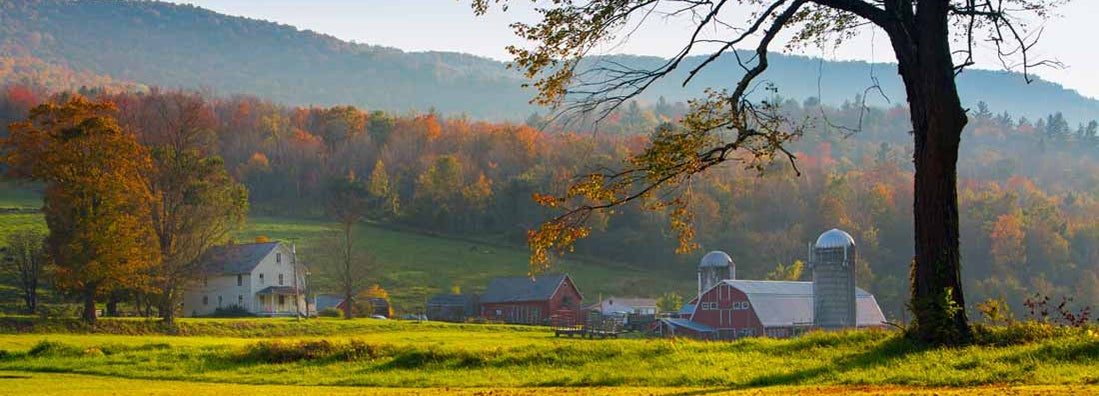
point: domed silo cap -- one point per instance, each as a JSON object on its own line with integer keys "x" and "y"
{"x": 834, "y": 238}
{"x": 716, "y": 259}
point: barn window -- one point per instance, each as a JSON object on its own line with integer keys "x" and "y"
{"x": 240, "y": 280}
{"x": 746, "y": 305}
{"x": 280, "y": 279}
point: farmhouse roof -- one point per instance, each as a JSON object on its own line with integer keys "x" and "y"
{"x": 236, "y": 259}
{"x": 635, "y": 302}
{"x": 277, "y": 290}
{"x": 522, "y": 288}
{"x": 783, "y": 303}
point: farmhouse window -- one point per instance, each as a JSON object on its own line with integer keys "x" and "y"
{"x": 261, "y": 279}
{"x": 280, "y": 279}
{"x": 278, "y": 258}
{"x": 205, "y": 300}
{"x": 205, "y": 281}
{"x": 282, "y": 300}
{"x": 240, "y": 300}
{"x": 219, "y": 301}
{"x": 240, "y": 280}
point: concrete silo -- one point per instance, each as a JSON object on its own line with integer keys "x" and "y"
{"x": 833, "y": 264}
{"x": 715, "y": 267}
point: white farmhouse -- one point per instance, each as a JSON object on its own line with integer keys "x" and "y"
{"x": 615, "y": 305}
{"x": 259, "y": 277}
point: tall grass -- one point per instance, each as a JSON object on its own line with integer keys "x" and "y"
{"x": 394, "y": 354}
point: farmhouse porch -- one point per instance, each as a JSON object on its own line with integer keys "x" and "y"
{"x": 278, "y": 301}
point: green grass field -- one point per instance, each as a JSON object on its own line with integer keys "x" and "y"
{"x": 234, "y": 355}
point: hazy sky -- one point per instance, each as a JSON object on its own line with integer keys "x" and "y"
{"x": 449, "y": 25}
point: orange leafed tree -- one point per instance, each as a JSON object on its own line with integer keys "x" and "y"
{"x": 96, "y": 199}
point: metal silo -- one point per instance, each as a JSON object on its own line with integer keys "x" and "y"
{"x": 833, "y": 263}
{"x": 715, "y": 267}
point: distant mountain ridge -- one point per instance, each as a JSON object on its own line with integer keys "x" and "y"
{"x": 182, "y": 46}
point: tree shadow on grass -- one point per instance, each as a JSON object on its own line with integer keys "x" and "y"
{"x": 884, "y": 353}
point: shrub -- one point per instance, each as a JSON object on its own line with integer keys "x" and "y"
{"x": 296, "y": 351}
{"x": 1040, "y": 308}
{"x": 1015, "y": 333}
{"x": 330, "y": 312}
{"x": 52, "y": 348}
{"x": 288, "y": 352}
{"x": 231, "y": 311}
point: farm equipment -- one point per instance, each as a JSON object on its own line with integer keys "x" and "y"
{"x": 595, "y": 325}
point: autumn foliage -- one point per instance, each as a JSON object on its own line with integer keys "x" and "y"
{"x": 96, "y": 196}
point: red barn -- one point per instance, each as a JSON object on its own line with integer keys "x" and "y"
{"x": 744, "y": 308}
{"x": 521, "y": 300}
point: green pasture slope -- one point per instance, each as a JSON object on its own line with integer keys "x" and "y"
{"x": 410, "y": 265}
{"x": 397, "y": 357}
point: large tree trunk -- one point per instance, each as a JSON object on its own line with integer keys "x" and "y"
{"x": 88, "y": 316}
{"x": 168, "y": 306}
{"x": 112, "y": 306}
{"x": 925, "y": 64}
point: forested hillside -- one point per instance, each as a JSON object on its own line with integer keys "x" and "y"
{"x": 1029, "y": 189}
{"x": 170, "y": 45}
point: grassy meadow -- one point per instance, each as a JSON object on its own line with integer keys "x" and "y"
{"x": 400, "y": 355}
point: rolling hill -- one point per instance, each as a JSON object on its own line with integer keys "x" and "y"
{"x": 410, "y": 265}
{"x": 181, "y": 46}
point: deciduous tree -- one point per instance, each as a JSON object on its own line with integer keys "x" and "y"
{"x": 348, "y": 204}
{"x": 195, "y": 203}
{"x": 932, "y": 40}
{"x": 96, "y": 196}
{"x": 25, "y": 255}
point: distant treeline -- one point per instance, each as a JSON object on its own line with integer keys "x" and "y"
{"x": 1029, "y": 188}
{"x": 179, "y": 45}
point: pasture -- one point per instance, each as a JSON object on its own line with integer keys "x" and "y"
{"x": 227, "y": 355}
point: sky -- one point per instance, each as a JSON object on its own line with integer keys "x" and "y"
{"x": 450, "y": 25}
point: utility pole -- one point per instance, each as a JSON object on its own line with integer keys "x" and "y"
{"x": 294, "y": 263}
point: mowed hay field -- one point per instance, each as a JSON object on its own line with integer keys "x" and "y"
{"x": 225, "y": 355}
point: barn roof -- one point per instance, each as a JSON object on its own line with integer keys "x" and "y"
{"x": 785, "y": 303}
{"x": 451, "y": 300}
{"x": 236, "y": 259}
{"x": 687, "y": 324}
{"x": 522, "y": 288}
{"x": 327, "y": 301}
